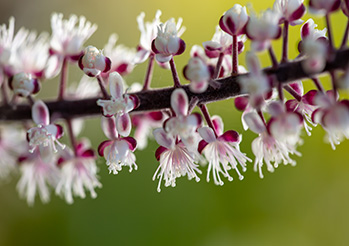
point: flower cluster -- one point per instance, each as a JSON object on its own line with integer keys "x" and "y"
{"x": 189, "y": 142}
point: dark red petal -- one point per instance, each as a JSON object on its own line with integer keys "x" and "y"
{"x": 102, "y": 146}
{"x": 107, "y": 65}
{"x": 270, "y": 122}
{"x": 135, "y": 101}
{"x": 241, "y": 103}
{"x": 291, "y": 105}
{"x": 297, "y": 87}
{"x": 122, "y": 68}
{"x": 156, "y": 115}
{"x": 10, "y": 80}
{"x": 185, "y": 71}
{"x": 59, "y": 131}
{"x": 298, "y": 13}
{"x": 36, "y": 86}
{"x": 314, "y": 113}
{"x": 88, "y": 153}
{"x": 153, "y": 47}
{"x": 181, "y": 47}
{"x": 202, "y": 145}
{"x": 198, "y": 118}
{"x": 309, "y": 97}
{"x": 222, "y": 25}
{"x": 335, "y": 5}
{"x": 75, "y": 57}
{"x": 345, "y": 103}
{"x": 230, "y": 25}
{"x": 132, "y": 143}
{"x": 278, "y": 35}
{"x": 81, "y": 66}
{"x": 159, "y": 151}
{"x": 60, "y": 161}
{"x": 230, "y": 136}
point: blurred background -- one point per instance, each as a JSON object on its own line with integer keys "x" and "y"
{"x": 302, "y": 205}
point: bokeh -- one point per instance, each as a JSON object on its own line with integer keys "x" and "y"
{"x": 302, "y": 205}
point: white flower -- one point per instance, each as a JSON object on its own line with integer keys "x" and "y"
{"x": 175, "y": 160}
{"x": 44, "y": 134}
{"x": 68, "y": 36}
{"x": 198, "y": 73}
{"x": 93, "y": 62}
{"x": 290, "y": 10}
{"x": 23, "y": 84}
{"x": 234, "y": 20}
{"x": 119, "y": 105}
{"x": 222, "y": 151}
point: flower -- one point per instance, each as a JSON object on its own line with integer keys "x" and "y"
{"x": 222, "y": 151}
{"x": 68, "y": 36}
{"x": 118, "y": 151}
{"x": 175, "y": 160}
{"x": 78, "y": 172}
{"x": 261, "y": 30}
{"x": 333, "y": 115}
{"x": 23, "y": 84}
{"x": 182, "y": 124}
{"x": 119, "y": 105}
{"x": 44, "y": 134}
{"x": 324, "y": 6}
{"x": 121, "y": 57}
{"x": 38, "y": 174}
{"x": 93, "y": 62}
{"x": 234, "y": 20}
{"x": 198, "y": 73}
{"x": 148, "y": 31}
{"x": 168, "y": 42}
{"x": 255, "y": 84}
{"x": 267, "y": 148}
{"x": 290, "y": 11}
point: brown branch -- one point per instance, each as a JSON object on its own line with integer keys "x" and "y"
{"x": 160, "y": 98}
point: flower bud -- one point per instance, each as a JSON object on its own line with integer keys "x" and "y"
{"x": 23, "y": 84}
{"x": 93, "y": 62}
{"x": 234, "y": 20}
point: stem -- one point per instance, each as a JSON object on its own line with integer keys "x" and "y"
{"x": 334, "y": 85}
{"x": 159, "y": 99}
{"x": 4, "y": 93}
{"x": 149, "y": 74}
{"x": 71, "y": 135}
{"x": 274, "y": 61}
{"x": 63, "y": 79}
{"x": 175, "y": 77}
{"x": 281, "y": 92}
{"x": 193, "y": 102}
{"x": 207, "y": 117}
{"x": 318, "y": 85}
{"x": 285, "y": 43}
{"x": 294, "y": 93}
{"x": 218, "y": 66}
{"x": 345, "y": 37}
{"x": 235, "y": 53}
{"x": 329, "y": 32}
{"x": 101, "y": 85}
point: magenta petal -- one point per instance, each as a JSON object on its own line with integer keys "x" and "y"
{"x": 179, "y": 102}
{"x": 116, "y": 85}
{"x": 153, "y": 47}
{"x": 102, "y": 146}
{"x": 59, "y": 133}
{"x": 305, "y": 30}
{"x": 241, "y": 103}
{"x": 122, "y": 68}
{"x": 88, "y": 153}
{"x": 298, "y": 13}
{"x": 159, "y": 151}
{"x": 218, "y": 124}
{"x": 81, "y": 66}
{"x": 123, "y": 124}
{"x": 40, "y": 113}
{"x": 37, "y": 86}
{"x": 222, "y": 25}
{"x": 291, "y": 105}
{"x": 298, "y": 87}
{"x": 202, "y": 145}
{"x": 107, "y": 64}
{"x": 132, "y": 143}
{"x": 156, "y": 116}
{"x": 309, "y": 97}
{"x": 336, "y": 5}
{"x": 230, "y": 25}
{"x": 316, "y": 115}
{"x": 109, "y": 127}
{"x": 135, "y": 100}
{"x": 230, "y": 136}
{"x": 345, "y": 103}
{"x": 182, "y": 47}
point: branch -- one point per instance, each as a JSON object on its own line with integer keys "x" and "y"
{"x": 158, "y": 99}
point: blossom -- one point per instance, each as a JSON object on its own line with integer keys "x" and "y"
{"x": 182, "y": 124}
{"x": 93, "y": 62}
{"x": 234, "y": 20}
{"x": 324, "y": 6}
{"x": 38, "y": 174}
{"x": 198, "y": 73}
{"x": 290, "y": 10}
{"x": 122, "y": 58}
{"x": 78, "y": 172}
{"x": 119, "y": 105}
{"x": 149, "y": 32}
{"x": 118, "y": 151}
{"x": 222, "y": 151}
{"x": 267, "y": 148}
{"x": 23, "y": 84}
{"x": 44, "y": 134}
{"x": 333, "y": 115}
{"x": 261, "y": 30}
{"x": 255, "y": 84}
{"x": 175, "y": 160}
{"x": 168, "y": 42}
{"x": 68, "y": 36}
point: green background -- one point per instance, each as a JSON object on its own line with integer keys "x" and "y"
{"x": 303, "y": 205}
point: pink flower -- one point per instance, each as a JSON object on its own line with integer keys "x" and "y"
{"x": 333, "y": 116}
{"x": 222, "y": 151}
{"x": 119, "y": 105}
{"x": 175, "y": 160}
{"x": 23, "y": 84}
{"x": 78, "y": 172}
{"x": 44, "y": 134}
{"x": 118, "y": 151}
{"x": 290, "y": 10}
{"x": 167, "y": 42}
{"x": 199, "y": 74}
{"x": 261, "y": 30}
{"x": 93, "y": 62}
{"x": 234, "y": 20}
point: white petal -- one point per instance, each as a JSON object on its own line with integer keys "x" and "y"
{"x": 254, "y": 122}
{"x": 40, "y": 113}
{"x": 179, "y": 102}
{"x": 207, "y": 134}
{"x": 163, "y": 139}
{"x": 116, "y": 84}
{"x": 123, "y": 124}
{"x": 109, "y": 127}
